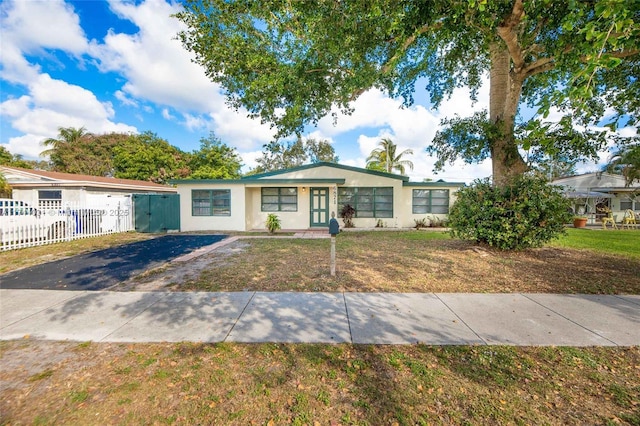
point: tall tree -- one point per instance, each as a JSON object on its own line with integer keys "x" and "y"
{"x": 214, "y": 160}
{"x": 80, "y": 152}
{"x": 16, "y": 160}
{"x": 60, "y": 148}
{"x": 149, "y": 157}
{"x": 626, "y": 161}
{"x": 386, "y": 159}
{"x": 5, "y": 188}
{"x": 290, "y": 62}
{"x": 320, "y": 151}
{"x": 279, "y": 155}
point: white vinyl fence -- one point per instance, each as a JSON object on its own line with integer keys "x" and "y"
{"x": 23, "y": 225}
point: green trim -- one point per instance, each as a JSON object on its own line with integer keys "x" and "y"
{"x": 323, "y": 209}
{"x": 433, "y": 184}
{"x": 211, "y": 199}
{"x": 206, "y": 181}
{"x": 377, "y": 212}
{"x": 299, "y": 181}
{"x": 334, "y": 165}
{"x": 428, "y": 203}
{"x": 279, "y": 195}
{"x": 293, "y": 181}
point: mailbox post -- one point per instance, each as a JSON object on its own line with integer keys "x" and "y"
{"x": 334, "y": 229}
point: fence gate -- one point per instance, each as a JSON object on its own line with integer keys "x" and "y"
{"x": 156, "y": 212}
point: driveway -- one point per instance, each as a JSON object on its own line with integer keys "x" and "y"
{"x": 102, "y": 269}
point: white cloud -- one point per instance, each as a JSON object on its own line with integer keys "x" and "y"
{"x": 166, "y": 114}
{"x": 28, "y": 25}
{"x": 410, "y": 128}
{"x": 193, "y": 122}
{"x": 124, "y": 99}
{"x": 238, "y": 130}
{"x": 249, "y": 160}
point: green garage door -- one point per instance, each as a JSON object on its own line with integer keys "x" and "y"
{"x": 156, "y": 212}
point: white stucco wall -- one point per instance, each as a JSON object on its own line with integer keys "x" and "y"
{"x": 235, "y": 222}
{"x": 246, "y": 200}
{"x": 408, "y": 218}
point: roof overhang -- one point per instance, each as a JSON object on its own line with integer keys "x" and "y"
{"x": 90, "y": 184}
{"x": 440, "y": 184}
{"x": 258, "y": 183}
{"x": 587, "y": 194}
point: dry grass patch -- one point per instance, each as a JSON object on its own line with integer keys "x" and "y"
{"x": 412, "y": 262}
{"x": 278, "y": 384}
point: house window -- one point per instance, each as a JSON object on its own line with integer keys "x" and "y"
{"x": 368, "y": 202}
{"x": 629, "y": 204}
{"x": 211, "y": 202}
{"x": 279, "y": 199}
{"x": 430, "y": 201}
{"x": 48, "y": 198}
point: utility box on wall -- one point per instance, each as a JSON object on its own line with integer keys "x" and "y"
{"x": 156, "y": 212}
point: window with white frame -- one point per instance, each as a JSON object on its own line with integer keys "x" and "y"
{"x": 211, "y": 202}
{"x": 50, "y": 198}
{"x": 430, "y": 201}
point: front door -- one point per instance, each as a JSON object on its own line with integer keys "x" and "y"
{"x": 319, "y": 206}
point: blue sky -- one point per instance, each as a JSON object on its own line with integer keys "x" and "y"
{"x": 116, "y": 66}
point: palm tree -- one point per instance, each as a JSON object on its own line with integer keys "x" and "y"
{"x": 63, "y": 148}
{"x": 385, "y": 158}
{"x": 626, "y": 162}
{"x": 66, "y": 135}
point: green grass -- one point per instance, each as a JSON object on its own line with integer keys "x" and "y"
{"x": 623, "y": 242}
{"x": 304, "y": 384}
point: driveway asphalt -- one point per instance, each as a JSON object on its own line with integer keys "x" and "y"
{"x": 370, "y": 318}
{"x": 102, "y": 269}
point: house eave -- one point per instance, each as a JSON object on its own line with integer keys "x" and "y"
{"x": 89, "y": 184}
{"x": 253, "y": 183}
{"x": 324, "y": 164}
{"x": 433, "y": 184}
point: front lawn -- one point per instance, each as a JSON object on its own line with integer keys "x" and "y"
{"x": 303, "y": 384}
{"x": 622, "y": 242}
{"x": 591, "y": 261}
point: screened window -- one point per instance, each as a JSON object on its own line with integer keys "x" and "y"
{"x": 368, "y": 202}
{"x": 211, "y": 202}
{"x": 430, "y": 201}
{"x": 48, "y": 198}
{"x": 279, "y": 199}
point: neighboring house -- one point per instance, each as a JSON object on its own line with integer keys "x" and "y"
{"x": 43, "y": 189}
{"x": 591, "y": 191}
{"x": 304, "y": 198}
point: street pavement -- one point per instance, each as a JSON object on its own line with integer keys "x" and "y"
{"x": 369, "y": 318}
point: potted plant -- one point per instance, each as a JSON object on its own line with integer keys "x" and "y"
{"x": 579, "y": 221}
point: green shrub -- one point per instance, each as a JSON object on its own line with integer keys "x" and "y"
{"x": 526, "y": 213}
{"x": 347, "y": 212}
{"x": 273, "y": 223}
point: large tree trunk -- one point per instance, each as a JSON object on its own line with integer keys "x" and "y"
{"x": 504, "y": 95}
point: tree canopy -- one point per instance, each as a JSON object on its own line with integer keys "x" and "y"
{"x": 149, "y": 157}
{"x": 385, "y": 158}
{"x": 290, "y": 63}
{"x": 279, "y": 155}
{"x": 214, "y": 160}
{"x": 143, "y": 156}
{"x": 626, "y": 161}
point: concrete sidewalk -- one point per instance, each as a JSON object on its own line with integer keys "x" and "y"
{"x": 372, "y": 318}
